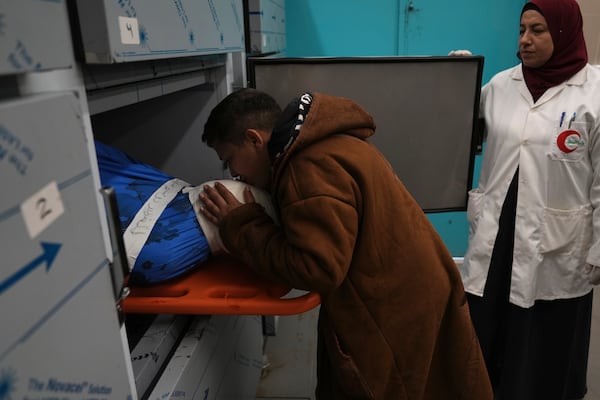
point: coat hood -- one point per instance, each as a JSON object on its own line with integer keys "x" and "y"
{"x": 312, "y": 117}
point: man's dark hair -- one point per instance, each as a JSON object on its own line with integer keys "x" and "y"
{"x": 243, "y": 109}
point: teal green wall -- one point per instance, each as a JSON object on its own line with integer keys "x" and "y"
{"x": 345, "y": 28}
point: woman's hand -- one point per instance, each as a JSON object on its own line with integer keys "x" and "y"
{"x": 219, "y": 202}
{"x": 460, "y": 53}
{"x": 594, "y": 272}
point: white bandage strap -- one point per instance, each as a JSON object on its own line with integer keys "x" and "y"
{"x": 138, "y": 231}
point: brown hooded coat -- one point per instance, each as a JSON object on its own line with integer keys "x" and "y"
{"x": 394, "y": 323}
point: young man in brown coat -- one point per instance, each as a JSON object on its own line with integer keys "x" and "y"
{"x": 393, "y": 323}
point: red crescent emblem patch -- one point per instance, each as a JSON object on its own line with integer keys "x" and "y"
{"x": 561, "y": 141}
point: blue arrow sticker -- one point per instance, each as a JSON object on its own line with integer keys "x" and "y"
{"x": 50, "y": 250}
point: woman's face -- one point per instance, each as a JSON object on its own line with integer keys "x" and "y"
{"x": 535, "y": 42}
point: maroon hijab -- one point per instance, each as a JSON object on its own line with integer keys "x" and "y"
{"x": 570, "y": 55}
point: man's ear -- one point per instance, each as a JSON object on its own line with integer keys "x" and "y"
{"x": 255, "y": 138}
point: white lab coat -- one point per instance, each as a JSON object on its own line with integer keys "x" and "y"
{"x": 557, "y": 230}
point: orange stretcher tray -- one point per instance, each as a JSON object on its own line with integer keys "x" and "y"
{"x": 221, "y": 285}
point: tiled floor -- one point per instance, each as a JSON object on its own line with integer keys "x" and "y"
{"x": 594, "y": 362}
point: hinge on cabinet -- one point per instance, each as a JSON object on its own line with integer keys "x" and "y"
{"x": 119, "y": 268}
{"x": 269, "y": 325}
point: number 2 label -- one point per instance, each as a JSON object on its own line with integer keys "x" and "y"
{"x": 42, "y": 209}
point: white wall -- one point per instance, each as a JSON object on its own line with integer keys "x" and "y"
{"x": 591, "y": 28}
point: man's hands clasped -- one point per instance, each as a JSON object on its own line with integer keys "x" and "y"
{"x": 219, "y": 202}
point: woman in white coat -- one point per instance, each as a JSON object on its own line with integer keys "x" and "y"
{"x": 535, "y": 217}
